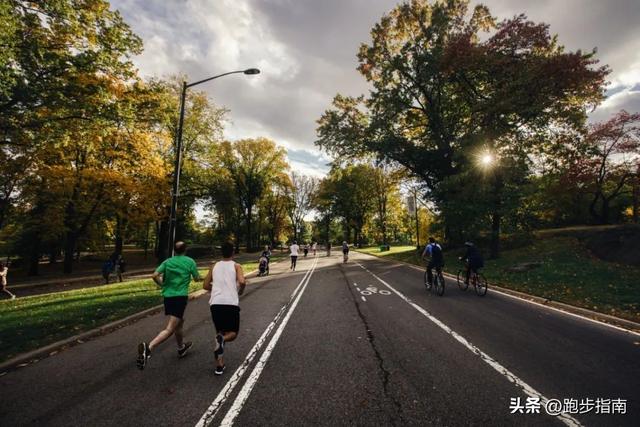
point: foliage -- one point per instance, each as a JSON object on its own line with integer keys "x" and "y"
{"x": 450, "y": 83}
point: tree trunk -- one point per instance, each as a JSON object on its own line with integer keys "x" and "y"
{"x": 69, "y": 249}
{"x": 496, "y": 216}
{"x": 162, "y": 251}
{"x": 119, "y": 242}
{"x": 34, "y": 256}
{"x": 249, "y": 208}
{"x": 494, "y": 250}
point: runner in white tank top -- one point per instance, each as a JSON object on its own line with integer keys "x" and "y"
{"x": 224, "y": 289}
{"x": 226, "y": 282}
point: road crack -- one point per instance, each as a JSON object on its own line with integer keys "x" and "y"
{"x": 383, "y": 372}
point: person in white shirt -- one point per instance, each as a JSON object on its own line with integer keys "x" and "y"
{"x": 294, "y": 255}
{"x": 3, "y": 279}
{"x": 314, "y": 247}
{"x": 226, "y": 282}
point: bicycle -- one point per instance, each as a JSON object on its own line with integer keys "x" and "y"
{"x": 478, "y": 280}
{"x": 438, "y": 280}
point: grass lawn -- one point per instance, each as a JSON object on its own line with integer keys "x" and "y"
{"x": 566, "y": 271}
{"x": 35, "y": 321}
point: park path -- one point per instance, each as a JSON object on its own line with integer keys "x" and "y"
{"x": 360, "y": 343}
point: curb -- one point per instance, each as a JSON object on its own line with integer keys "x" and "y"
{"x": 617, "y": 322}
{"x": 36, "y": 355}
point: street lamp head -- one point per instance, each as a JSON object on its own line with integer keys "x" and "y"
{"x": 252, "y": 71}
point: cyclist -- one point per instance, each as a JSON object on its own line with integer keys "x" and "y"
{"x": 436, "y": 259}
{"x": 473, "y": 260}
{"x": 345, "y": 251}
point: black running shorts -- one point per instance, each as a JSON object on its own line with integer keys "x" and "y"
{"x": 226, "y": 318}
{"x": 175, "y": 306}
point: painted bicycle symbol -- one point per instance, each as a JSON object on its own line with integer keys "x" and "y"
{"x": 370, "y": 290}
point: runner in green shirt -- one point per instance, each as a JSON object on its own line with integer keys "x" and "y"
{"x": 173, "y": 276}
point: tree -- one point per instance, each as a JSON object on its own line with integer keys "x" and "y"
{"x": 253, "y": 165}
{"x": 346, "y": 192}
{"x": 300, "y": 195}
{"x": 385, "y": 185}
{"x": 604, "y": 163}
{"x": 442, "y": 91}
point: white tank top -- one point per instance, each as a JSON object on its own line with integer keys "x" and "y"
{"x": 224, "y": 289}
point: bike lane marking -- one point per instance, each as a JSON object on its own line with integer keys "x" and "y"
{"x": 523, "y": 299}
{"x": 526, "y": 388}
{"x": 244, "y": 393}
{"x": 223, "y": 395}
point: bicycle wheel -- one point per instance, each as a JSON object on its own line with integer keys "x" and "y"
{"x": 461, "y": 276}
{"x": 481, "y": 285}
{"x": 426, "y": 282}
{"x": 439, "y": 284}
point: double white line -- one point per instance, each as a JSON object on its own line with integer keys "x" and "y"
{"x": 243, "y": 395}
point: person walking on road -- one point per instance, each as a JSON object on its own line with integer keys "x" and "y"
{"x": 173, "y": 276}
{"x": 294, "y": 248}
{"x": 306, "y": 249}
{"x": 3, "y": 279}
{"x": 314, "y": 247}
{"x": 226, "y": 282}
{"x": 345, "y": 251}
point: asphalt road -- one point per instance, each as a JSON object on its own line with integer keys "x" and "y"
{"x": 360, "y": 343}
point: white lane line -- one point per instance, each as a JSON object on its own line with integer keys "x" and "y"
{"x": 526, "y": 388}
{"x": 363, "y": 298}
{"x": 243, "y": 394}
{"x": 215, "y": 406}
{"x": 548, "y": 307}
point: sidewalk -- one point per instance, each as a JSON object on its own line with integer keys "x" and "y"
{"x": 59, "y": 284}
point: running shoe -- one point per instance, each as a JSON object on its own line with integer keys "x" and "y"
{"x": 183, "y": 350}
{"x": 219, "y": 370}
{"x": 143, "y": 355}
{"x": 219, "y": 346}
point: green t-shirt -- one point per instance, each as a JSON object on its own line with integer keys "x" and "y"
{"x": 176, "y": 273}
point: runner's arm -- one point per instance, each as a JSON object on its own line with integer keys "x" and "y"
{"x": 207, "y": 284}
{"x": 157, "y": 277}
{"x": 242, "y": 282}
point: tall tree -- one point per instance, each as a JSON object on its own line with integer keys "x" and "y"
{"x": 253, "y": 165}
{"x": 300, "y": 194}
{"x": 442, "y": 90}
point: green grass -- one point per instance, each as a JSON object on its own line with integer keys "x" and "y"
{"x": 568, "y": 273}
{"x": 35, "y": 321}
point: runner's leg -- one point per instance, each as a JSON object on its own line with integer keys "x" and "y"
{"x": 169, "y": 330}
{"x": 179, "y": 334}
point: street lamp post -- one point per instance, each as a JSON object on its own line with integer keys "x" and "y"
{"x": 178, "y": 160}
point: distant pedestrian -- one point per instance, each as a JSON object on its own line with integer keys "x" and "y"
{"x": 226, "y": 282}
{"x": 345, "y": 251}
{"x": 294, "y": 249}
{"x": 3, "y": 279}
{"x": 314, "y": 247}
{"x": 306, "y": 249}
{"x": 107, "y": 269}
{"x": 174, "y": 277}
{"x": 119, "y": 267}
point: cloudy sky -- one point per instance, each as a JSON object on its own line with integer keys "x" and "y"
{"x": 306, "y": 50}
